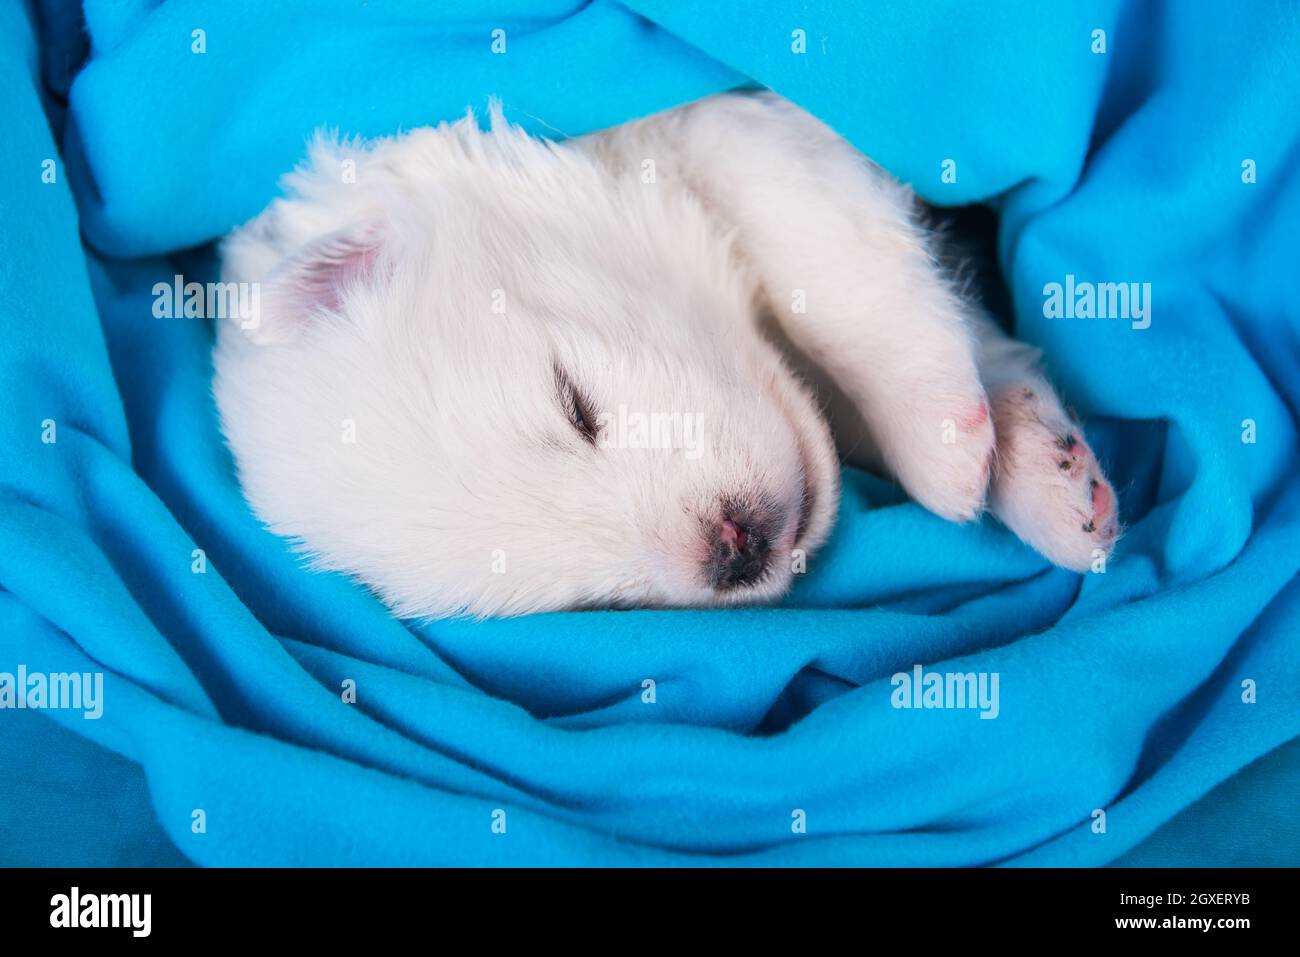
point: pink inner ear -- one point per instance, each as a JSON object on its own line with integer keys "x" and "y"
{"x": 317, "y": 277}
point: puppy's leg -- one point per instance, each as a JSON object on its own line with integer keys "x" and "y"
{"x": 1047, "y": 485}
{"x": 847, "y": 272}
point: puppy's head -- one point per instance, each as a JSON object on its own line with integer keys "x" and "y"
{"x": 477, "y": 406}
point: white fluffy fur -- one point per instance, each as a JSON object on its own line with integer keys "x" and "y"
{"x": 467, "y": 489}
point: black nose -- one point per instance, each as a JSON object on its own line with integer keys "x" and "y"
{"x": 742, "y": 549}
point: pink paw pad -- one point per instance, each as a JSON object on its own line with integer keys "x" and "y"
{"x": 974, "y": 420}
{"x": 1100, "y": 499}
{"x": 1076, "y": 452}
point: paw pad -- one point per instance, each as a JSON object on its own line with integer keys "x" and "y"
{"x": 974, "y": 420}
{"x": 1048, "y": 486}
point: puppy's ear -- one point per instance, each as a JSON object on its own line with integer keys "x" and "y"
{"x": 311, "y": 283}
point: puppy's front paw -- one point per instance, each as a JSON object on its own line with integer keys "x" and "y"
{"x": 1047, "y": 485}
{"x": 943, "y": 458}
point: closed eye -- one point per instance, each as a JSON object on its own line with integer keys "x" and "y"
{"x": 576, "y": 406}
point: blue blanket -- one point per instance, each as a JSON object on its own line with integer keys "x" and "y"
{"x": 1148, "y": 143}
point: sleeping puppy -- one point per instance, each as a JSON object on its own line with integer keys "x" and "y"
{"x": 493, "y": 375}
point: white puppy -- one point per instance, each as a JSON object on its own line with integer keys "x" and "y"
{"x": 495, "y": 375}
